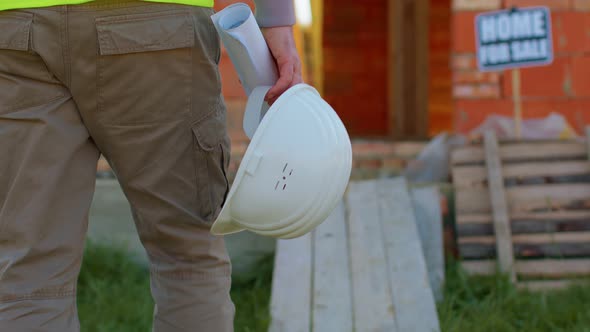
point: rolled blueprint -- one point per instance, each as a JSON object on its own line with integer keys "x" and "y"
{"x": 246, "y": 46}
{"x": 250, "y": 55}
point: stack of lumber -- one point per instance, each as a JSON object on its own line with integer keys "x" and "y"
{"x": 364, "y": 269}
{"x": 523, "y": 208}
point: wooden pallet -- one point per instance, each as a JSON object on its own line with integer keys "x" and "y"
{"x": 363, "y": 269}
{"x": 524, "y": 207}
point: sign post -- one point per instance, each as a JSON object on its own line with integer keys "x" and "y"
{"x": 513, "y": 39}
{"x": 517, "y": 102}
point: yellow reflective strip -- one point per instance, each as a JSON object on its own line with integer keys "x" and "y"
{"x": 11, "y": 4}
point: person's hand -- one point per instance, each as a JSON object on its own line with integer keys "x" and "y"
{"x": 281, "y": 43}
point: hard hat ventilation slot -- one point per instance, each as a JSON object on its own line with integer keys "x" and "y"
{"x": 283, "y": 178}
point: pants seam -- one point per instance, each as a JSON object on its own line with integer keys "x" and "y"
{"x": 189, "y": 275}
{"x": 24, "y": 105}
{"x": 37, "y": 296}
{"x": 66, "y": 50}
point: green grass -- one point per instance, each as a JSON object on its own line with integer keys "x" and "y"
{"x": 113, "y": 292}
{"x": 251, "y": 296}
{"x": 113, "y": 295}
{"x": 492, "y": 304}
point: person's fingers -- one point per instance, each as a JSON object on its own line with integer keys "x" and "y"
{"x": 284, "y": 82}
{"x": 297, "y": 77}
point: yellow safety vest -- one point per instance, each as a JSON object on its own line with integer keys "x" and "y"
{"x": 12, "y": 4}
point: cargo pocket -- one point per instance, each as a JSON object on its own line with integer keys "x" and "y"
{"x": 212, "y": 154}
{"x": 16, "y": 28}
{"x": 144, "y": 67}
{"x": 26, "y": 80}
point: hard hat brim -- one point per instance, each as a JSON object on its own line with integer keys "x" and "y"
{"x": 224, "y": 224}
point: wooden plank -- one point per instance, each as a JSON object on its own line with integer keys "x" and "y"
{"x": 524, "y": 151}
{"x": 526, "y": 198}
{"x": 408, "y": 149}
{"x": 553, "y": 215}
{"x": 545, "y": 285}
{"x": 481, "y": 267}
{"x": 476, "y": 176}
{"x": 332, "y": 298}
{"x": 290, "y": 305}
{"x": 427, "y": 210}
{"x": 541, "y": 250}
{"x": 474, "y": 219}
{"x": 547, "y": 268}
{"x": 373, "y": 306}
{"x": 525, "y": 223}
{"x": 499, "y": 206}
{"x": 409, "y": 283}
{"x": 561, "y": 237}
{"x": 519, "y": 227}
{"x": 398, "y": 150}
{"x": 540, "y": 216}
{"x": 408, "y": 67}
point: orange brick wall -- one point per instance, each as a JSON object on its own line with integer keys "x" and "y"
{"x": 562, "y": 87}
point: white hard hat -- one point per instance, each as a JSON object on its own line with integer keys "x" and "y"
{"x": 295, "y": 170}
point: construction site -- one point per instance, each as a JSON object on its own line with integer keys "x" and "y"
{"x": 468, "y": 207}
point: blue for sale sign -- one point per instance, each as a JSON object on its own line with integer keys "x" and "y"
{"x": 514, "y": 38}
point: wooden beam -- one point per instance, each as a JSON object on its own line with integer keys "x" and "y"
{"x": 542, "y": 250}
{"x": 523, "y": 151}
{"x": 332, "y": 297}
{"x": 476, "y": 176}
{"x": 545, "y": 285}
{"x": 413, "y": 299}
{"x": 543, "y": 268}
{"x": 526, "y": 198}
{"x": 542, "y": 238}
{"x": 290, "y": 303}
{"x": 550, "y": 222}
{"x": 408, "y": 67}
{"x": 427, "y": 209}
{"x": 499, "y": 206}
{"x": 466, "y": 219}
{"x": 373, "y": 306}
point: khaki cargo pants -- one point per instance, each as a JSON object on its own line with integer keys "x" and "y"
{"x": 139, "y": 83}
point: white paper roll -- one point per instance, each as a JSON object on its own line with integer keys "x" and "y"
{"x": 246, "y": 46}
{"x": 250, "y": 55}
